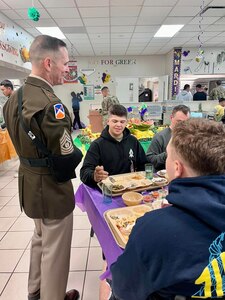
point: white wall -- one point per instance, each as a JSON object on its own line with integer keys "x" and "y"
{"x": 211, "y": 62}
{"x": 133, "y": 66}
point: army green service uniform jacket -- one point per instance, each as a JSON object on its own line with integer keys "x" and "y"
{"x": 39, "y": 193}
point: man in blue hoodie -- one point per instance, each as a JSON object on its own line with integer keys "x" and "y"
{"x": 180, "y": 250}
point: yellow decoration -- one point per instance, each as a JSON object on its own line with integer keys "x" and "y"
{"x": 25, "y": 55}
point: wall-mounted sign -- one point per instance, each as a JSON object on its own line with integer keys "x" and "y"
{"x": 8, "y": 48}
{"x": 113, "y": 62}
{"x": 177, "y": 52}
{"x": 87, "y": 72}
{"x": 89, "y": 92}
{"x": 72, "y": 76}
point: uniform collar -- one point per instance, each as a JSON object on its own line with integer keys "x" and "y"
{"x": 39, "y": 81}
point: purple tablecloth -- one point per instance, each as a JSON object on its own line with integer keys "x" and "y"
{"x": 91, "y": 201}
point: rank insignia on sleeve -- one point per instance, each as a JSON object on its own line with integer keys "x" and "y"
{"x": 66, "y": 144}
{"x": 59, "y": 111}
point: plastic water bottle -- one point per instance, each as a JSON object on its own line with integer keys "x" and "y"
{"x": 107, "y": 194}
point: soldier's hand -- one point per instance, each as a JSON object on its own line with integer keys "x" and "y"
{"x": 100, "y": 174}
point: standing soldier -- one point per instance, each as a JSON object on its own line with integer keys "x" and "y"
{"x": 39, "y": 125}
{"x": 107, "y": 102}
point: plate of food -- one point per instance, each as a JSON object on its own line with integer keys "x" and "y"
{"x": 161, "y": 173}
{"x": 118, "y": 187}
{"x": 159, "y": 181}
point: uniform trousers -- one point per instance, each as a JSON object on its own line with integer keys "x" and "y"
{"x": 50, "y": 257}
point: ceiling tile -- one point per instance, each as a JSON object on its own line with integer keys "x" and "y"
{"x": 87, "y": 3}
{"x": 140, "y": 41}
{"x": 22, "y": 4}
{"x": 155, "y": 11}
{"x": 222, "y": 33}
{"x": 142, "y": 35}
{"x": 150, "y": 21}
{"x": 133, "y": 52}
{"x": 121, "y": 35}
{"x": 220, "y": 21}
{"x": 187, "y": 11}
{"x": 197, "y": 3}
{"x": 99, "y": 35}
{"x": 160, "y": 2}
{"x": 216, "y": 39}
{"x": 60, "y": 13}
{"x": 3, "y": 5}
{"x": 68, "y": 22}
{"x": 189, "y": 34}
{"x": 11, "y": 14}
{"x": 216, "y": 28}
{"x": 118, "y": 41}
{"x": 177, "y": 20}
{"x": 101, "y": 53}
{"x": 151, "y": 51}
{"x": 77, "y": 36}
{"x": 146, "y": 28}
{"x": 125, "y": 11}
{"x": 115, "y": 29}
{"x": 96, "y": 21}
{"x": 214, "y": 12}
{"x": 98, "y": 29}
{"x": 94, "y": 12}
{"x": 74, "y": 29}
{"x": 100, "y": 41}
{"x": 45, "y": 23}
{"x": 217, "y": 3}
{"x": 126, "y": 2}
{"x": 33, "y": 31}
{"x": 137, "y": 43}
{"x": 192, "y": 28}
{"x": 23, "y": 24}
{"x": 161, "y": 41}
{"x": 204, "y": 20}
{"x": 43, "y": 14}
{"x": 123, "y": 21}
{"x": 53, "y": 3}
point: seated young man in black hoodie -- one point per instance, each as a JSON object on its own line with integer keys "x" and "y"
{"x": 180, "y": 249}
{"x": 116, "y": 151}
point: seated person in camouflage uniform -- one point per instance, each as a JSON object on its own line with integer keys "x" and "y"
{"x": 107, "y": 102}
{"x": 116, "y": 151}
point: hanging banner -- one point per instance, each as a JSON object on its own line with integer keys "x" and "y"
{"x": 72, "y": 76}
{"x": 177, "y": 52}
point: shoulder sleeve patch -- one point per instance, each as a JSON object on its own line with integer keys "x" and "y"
{"x": 59, "y": 111}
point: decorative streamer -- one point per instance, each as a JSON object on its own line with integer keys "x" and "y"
{"x": 200, "y": 50}
{"x": 33, "y": 13}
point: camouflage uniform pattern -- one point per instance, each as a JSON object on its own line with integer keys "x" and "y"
{"x": 217, "y": 93}
{"x": 106, "y": 104}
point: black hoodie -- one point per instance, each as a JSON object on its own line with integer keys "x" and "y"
{"x": 116, "y": 157}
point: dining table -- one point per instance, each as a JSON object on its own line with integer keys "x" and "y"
{"x": 90, "y": 200}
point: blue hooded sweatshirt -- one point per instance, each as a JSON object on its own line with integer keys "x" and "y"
{"x": 177, "y": 250}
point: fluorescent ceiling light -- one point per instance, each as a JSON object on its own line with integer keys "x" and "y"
{"x": 52, "y": 31}
{"x": 168, "y": 30}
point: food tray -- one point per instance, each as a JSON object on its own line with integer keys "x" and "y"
{"x": 137, "y": 179}
{"x": 132, "y": 213}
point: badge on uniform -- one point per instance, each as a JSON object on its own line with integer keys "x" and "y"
{"x": 59, "y": 111}
{"x": 66, "y": 144}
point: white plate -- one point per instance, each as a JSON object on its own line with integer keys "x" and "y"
{"x": 161, "y": 173}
